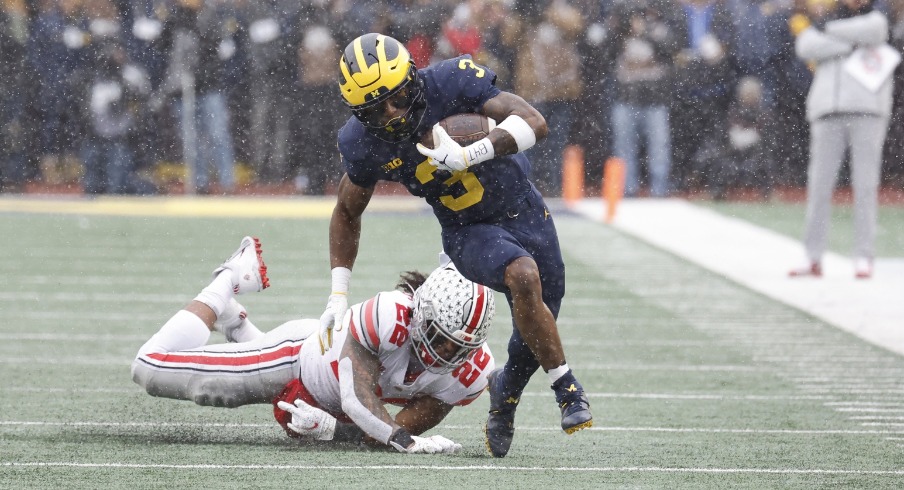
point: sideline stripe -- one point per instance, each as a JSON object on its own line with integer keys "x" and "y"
{"x": 227, "y": 207}
{"x": 604, "y": 469}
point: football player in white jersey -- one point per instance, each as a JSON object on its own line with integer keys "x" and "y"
{"x": 421, "y": 347}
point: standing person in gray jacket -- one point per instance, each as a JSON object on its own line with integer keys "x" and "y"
{"x": 845, "y": 111}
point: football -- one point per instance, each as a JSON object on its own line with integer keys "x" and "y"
{"x": 464, "y": 128}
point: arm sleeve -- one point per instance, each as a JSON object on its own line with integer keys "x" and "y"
{"x": 864, "y": 30}
{"x": 360, "y": 415}
{"x": 814, "y": 45}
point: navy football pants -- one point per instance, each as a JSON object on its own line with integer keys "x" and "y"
{"x": 482, "y": 251}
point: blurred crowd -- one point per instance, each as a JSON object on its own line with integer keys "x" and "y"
{"x": 112, "y": 96}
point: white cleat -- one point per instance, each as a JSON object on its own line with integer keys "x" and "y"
{"x": 232, "y": 319}
{"x": 249, "y": 273}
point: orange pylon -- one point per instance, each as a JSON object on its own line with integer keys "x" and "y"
{"x": 572, "y": 174}
{"x": 613, "y": 185}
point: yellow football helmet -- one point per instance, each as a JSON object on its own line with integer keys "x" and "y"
{"x": 374, "y": 69}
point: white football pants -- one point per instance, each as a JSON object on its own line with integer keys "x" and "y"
{"x": 829, "y": 138}
{"x": 225, "y": 375}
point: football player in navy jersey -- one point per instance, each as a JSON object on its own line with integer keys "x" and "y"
{"x": 495, "y": 224}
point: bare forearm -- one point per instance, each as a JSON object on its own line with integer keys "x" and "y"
{"x": 345, "y": 235}
{"x": 422, "y": 414}
{"x": 345, "y": 224}
{"x": 502, "y": 106}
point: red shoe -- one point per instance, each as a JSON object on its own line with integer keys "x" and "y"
{"x": 812, "y": 270}
{"x": 863, "y": 268}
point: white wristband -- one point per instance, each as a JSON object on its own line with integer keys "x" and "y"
{"x": 479, "y": 151}
{"x": 523, "y": 134}
{"x": 341, "y": 278}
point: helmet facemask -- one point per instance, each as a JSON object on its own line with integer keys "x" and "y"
{"x": 408, "y": 95}
{"x": 450, "y": 321}
{"x": 429, "y": 337}
{"x": 375, "y": 69}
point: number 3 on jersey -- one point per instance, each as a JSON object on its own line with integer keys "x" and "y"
{"x": 473, "y": 188}
{"x": 466, "y": 63}
{"x": 468, "y": 372}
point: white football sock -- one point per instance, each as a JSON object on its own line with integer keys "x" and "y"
{"x": 555, "y": 374}
{"x": 246, "y": 332}
{"x": 218, "y": 293}
{"x": 182, "y": 331}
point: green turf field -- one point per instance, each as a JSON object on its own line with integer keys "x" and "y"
{"x": 695, "y": 382}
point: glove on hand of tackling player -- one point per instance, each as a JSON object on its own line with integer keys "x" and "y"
{"x": 309, "y": 421}
{"x": 429, "y": 445}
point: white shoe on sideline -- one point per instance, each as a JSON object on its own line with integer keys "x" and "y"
{"x": 863, "y": 268}
{"x": 249, "y": 273}
{"x": 811, "y": 269}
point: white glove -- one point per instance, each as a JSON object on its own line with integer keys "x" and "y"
{"x": 447, "y": 446}
{"x": 336, "y": 306}
{"x": 449, "y": 155}
{"x": 429, "y": 445}
{"x": 310, "y": 421}
{"x": 331, "y": 319}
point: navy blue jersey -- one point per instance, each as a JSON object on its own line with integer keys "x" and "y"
{"x": 484, "y": 192}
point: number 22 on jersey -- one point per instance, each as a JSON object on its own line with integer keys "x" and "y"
{"x": 468, "y": 372}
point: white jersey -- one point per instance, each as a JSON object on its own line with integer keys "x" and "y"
{"x": 382, "y": 325}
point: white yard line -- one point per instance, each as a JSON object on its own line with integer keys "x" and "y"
{"x": 760, "y": 259}
{"x": 494, "y": 468}
{"x": 680, "y": 430}
{"x": 826, "y": 399}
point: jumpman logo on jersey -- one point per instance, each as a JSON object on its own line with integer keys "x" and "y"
{"x": 545, "y": 213}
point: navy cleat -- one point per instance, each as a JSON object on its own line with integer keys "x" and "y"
{"x": 573, "y": 403}
{"x": 500, "y": 428}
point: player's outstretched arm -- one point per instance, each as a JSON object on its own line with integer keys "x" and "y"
{"x": 345, "y": 233}
{"x": 418, "y": 416}
{"x": 359, "y": 371}
{"x": 345, "y": 223}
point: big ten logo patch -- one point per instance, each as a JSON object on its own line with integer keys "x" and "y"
{"x": 394, "y": 164}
